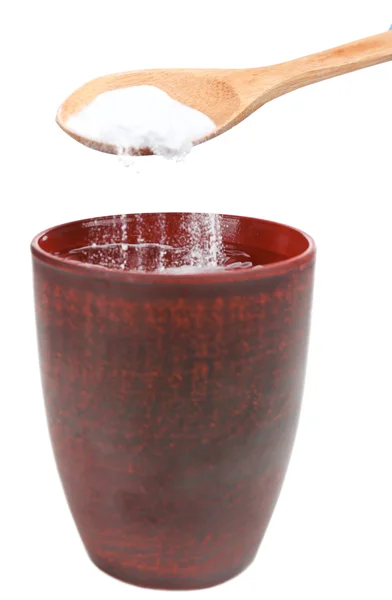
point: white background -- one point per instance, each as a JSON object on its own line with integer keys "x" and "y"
{"x": 318, "y": 159}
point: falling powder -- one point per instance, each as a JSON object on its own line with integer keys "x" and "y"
{"x": 140, "y": 117}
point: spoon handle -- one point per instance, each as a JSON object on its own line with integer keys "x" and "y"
{"x": 288, "y": 76}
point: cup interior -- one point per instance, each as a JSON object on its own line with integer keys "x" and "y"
{"x": 271, "y": 246}
{"x": 266, "y": 241}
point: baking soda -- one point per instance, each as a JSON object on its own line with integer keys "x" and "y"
{"x": 140, "y": 117}
{"x": 133, "y": 119}
{"x": 205, "y": 240}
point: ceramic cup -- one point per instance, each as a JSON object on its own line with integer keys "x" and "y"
{"x": 173, "y": 399}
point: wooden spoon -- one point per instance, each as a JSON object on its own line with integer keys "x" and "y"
{"x": 228, "y": 96}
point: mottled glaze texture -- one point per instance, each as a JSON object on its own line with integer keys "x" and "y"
{"x": 173, "y": 404}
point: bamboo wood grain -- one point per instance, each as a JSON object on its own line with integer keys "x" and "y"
{"x": 228, "y": 96}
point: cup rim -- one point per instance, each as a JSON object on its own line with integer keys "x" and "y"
{"x": 300, "y": 261}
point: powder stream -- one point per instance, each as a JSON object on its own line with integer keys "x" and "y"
{"x": 140, "y": 117}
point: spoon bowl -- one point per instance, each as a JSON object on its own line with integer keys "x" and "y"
{"x": 227, "y": 96}
{"x": 208, "y": 90}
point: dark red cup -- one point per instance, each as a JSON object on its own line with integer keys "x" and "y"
{"x": 173, "y": 399}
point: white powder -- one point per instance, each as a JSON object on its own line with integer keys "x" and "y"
{"x": 140, "y": 117}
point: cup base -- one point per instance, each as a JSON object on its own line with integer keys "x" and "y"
{"x": 168, "y": 583}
